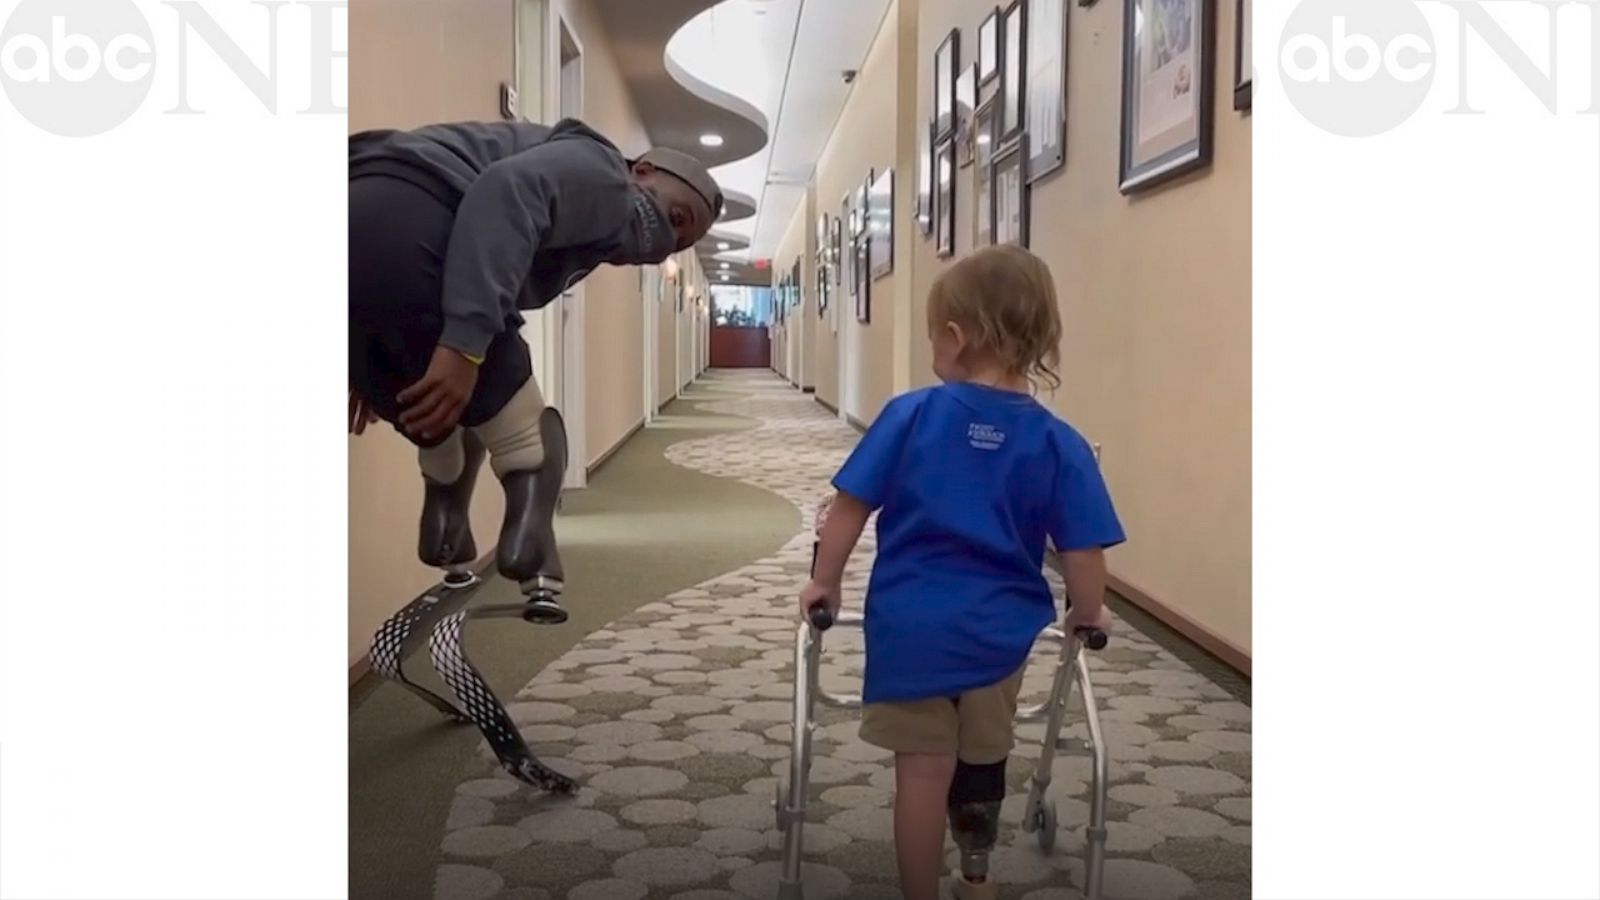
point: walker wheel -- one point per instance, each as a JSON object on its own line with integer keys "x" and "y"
{"x": 1044, "y": 824}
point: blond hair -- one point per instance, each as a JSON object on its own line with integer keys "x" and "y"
{"x": 1004, "y": 298}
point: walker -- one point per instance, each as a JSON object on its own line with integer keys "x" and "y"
{"x": 975, "y": 843}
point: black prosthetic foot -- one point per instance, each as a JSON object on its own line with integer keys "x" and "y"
{"x": 527, "y": 553}
{"x": 444, "y": 538}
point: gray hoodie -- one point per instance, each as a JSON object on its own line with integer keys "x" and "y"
{"x": 537, "y": 208}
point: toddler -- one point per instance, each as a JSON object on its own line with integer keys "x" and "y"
{"x": 970, "y": 478}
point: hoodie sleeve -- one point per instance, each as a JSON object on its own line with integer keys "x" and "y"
{"x": 561, "y": 193}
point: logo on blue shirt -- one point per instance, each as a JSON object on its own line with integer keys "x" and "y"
{"x": 985, "y": 437}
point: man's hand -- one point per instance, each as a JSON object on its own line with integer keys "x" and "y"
{"x": 434, "y": 405}
{"x": 816, "y": 594}
{"x": 361, "y": 414}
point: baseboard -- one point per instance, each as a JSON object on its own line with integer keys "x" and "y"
{"x": 606, "y": 456}
{"x": 1234, "y": 656}
{"x": 855, "y": 423}
{"x": 826, "y": 405}
{"x": 359, "y": 669}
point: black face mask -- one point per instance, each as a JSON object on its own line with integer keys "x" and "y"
{"x": 648, "y": 237}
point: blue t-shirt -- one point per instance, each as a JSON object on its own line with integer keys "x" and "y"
{"x": 968, "y": 481}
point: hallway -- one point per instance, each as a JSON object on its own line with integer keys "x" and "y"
{"x": 667, "y": 696}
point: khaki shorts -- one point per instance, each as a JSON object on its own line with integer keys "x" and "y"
{"x": 976, "y": 728}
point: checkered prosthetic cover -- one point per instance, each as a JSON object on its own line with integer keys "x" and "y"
{"x": 388, "y": 650}
{"x": 486, "y": 711}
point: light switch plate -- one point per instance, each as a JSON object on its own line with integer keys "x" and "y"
{"x": 508, "y": 101}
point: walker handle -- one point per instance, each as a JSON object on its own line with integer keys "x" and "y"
{"x": 820, "y": 618}
{"x": 1093, "y": 638}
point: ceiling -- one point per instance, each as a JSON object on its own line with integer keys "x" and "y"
{"x": 766, "y": 76}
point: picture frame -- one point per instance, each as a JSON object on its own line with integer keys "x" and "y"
{"x": 989, "y": 47}
{"x": 1168, "y": 71}
{"x": 863, "y": 283}
{"x": 1244, "y": 70}
{"x": 864, "y": 205}
{"x": 924, "y": 210}
{"x": 835, "y": 244}
{"x": 966, "y": 102}
{"x": 944, "y": 202}
{"x": 847, "y": 254}
{"x": 983, "y": 155}
{"x": 1046, "y": 80}
{"x": 1013, "y": 69}
{"x": 880, "y": 225}
{"x": 946, "y": 63}
{"x": 796, "y": 285}
{"x": 1009, "y": 195}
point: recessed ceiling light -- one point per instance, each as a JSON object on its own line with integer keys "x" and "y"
{"x": 725, "y": 276}
{"x": 725, "y": 265}
{"x": 710, "y": 140}
{"x": 724, "y": 245}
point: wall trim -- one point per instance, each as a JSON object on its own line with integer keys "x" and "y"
{"x": 855, "y": 423}
{"x": 606, "y": 456}
{"x": 359, "y": 669}
{"x": 1234, "y": 656}
{"x": 826, "y": 405}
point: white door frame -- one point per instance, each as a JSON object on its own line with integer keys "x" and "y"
{"x": 649, "y": 297}
{"x": 566, "y": 342}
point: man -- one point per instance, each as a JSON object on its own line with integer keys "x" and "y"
{"x": 454, "y": 230}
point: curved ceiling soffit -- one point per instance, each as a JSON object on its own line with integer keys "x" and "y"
{"x": 736, "y": 206}
{"x": 675, "y": 107}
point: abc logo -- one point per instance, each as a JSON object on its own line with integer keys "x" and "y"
{"x": 1357, "y": 68}
{"x": 76, "y": 67}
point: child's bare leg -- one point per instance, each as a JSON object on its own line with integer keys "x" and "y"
{"x": 922, "y": 790}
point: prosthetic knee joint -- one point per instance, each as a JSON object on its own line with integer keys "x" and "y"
{"x": 976, "y": 793}
{"x": 526, "y": 444}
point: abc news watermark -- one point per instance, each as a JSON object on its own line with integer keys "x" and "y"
{"x": 79, "y": 68}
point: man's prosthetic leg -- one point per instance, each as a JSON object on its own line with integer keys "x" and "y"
{"x": 976, "y": 793}
{"x": 526, "y": 446}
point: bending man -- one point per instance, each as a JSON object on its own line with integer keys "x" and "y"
{"x": 454, "y": 231}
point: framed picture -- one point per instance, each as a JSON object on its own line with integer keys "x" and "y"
{"x": 1008, "y": 201}
{"x": 1244, "y": 67}
{"x": 880, "y": 227}
{"x": 944, "y": 198}
{"x": 966, "y": 102}
{"x": 846, "y": 242}
{"x": 983, "y": 152}
{"x": 989, "y": 47}
{"x": 863, "y": 283}
{"x": 860, "y": 207}
{"x": 1013, "y": 68}
{"x": 946, "y": 60}
{"x": 925, "y": 180}
{"x": 796, "y": 292}
{"x": 834, "y": 249}
{"x": 1167, "y": 70}
{"x": 1046, "y": 54}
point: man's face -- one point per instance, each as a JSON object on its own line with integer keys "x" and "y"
{"x": 687, "y": 212}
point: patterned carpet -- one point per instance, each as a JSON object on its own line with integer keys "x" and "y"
{"x": 674, "y": 719}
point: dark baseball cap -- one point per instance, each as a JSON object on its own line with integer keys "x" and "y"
{"x": 690, "y": 171}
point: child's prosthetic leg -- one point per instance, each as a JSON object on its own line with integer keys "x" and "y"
{"x": 976, "y": 793}
{"x": 526, "y": 446}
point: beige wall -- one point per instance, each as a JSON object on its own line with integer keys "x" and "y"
{"x": 1155, "y": 299}
{"x": 411, "y": 63}
{"x": 860, "y": 144}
